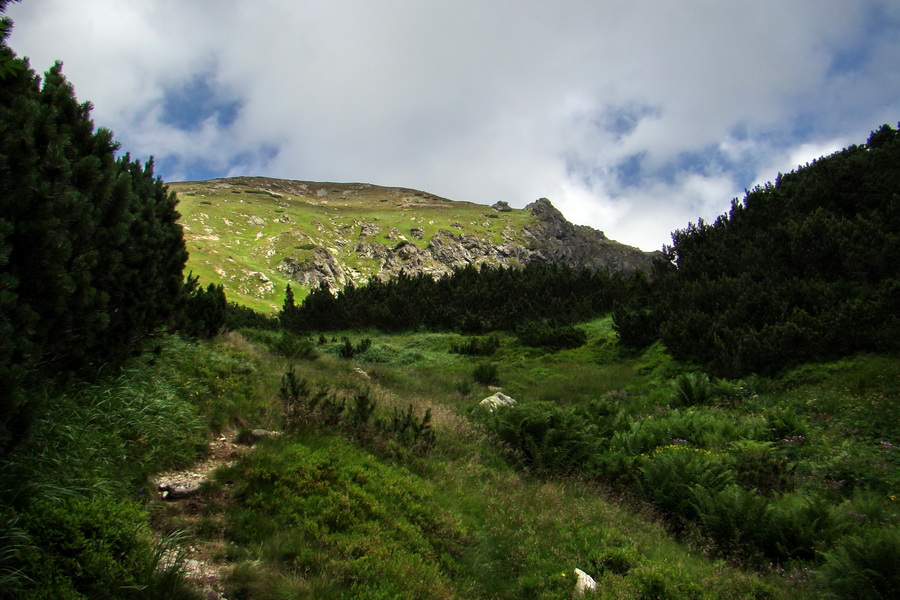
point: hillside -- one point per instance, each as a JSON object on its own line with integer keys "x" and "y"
{"x": 255, "y": 235}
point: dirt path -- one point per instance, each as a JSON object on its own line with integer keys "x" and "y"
{"x": 186, "y": 503}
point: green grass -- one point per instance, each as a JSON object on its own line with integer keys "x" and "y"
{"x": 233, "y": 233}
{"x": 809, "y": 461}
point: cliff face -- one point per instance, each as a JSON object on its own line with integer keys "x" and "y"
{"x": 307, "y": 233}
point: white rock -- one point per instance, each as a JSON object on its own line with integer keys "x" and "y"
{"x": 496, "y": 401}
{"x": 585, "y": 583}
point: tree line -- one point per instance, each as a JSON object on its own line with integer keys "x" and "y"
{"x": 802, "y": 269}
{"x": 470, "y": 300}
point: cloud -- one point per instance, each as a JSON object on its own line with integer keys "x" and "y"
{"x": 634, "y": 117}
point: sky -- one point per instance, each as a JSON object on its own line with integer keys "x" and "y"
{"x": 635, "y": 117}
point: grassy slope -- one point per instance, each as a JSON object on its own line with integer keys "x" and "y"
{"x": 319, "y": 516}
{"x": 233, "y": 228}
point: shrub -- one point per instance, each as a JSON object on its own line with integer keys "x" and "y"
{"x": 348, "y": 350}
{"x": 336, "y": 510}
{"x": 759, "y": 466}
{"x": 545, "y": 436}
{"x": 477, "y": 346}
{"x": 802, "y": 525}
{"x": 864, "y": 565}
{"x": 291, "y": 345}
{"x": 737, "y": 519}
{"x": 203, "y": 314}
{"x": 85, "y": 548}
{"x": 540, "y": 334}
{"x": 486, "y": 374}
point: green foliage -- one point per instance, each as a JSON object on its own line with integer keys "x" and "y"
{"x": 86, "y": 548}
{"x": 470, "y": 300}
{"x": 691, "y": 389}
{"x": 306, "y": 409}
{"x": 477, "y": 346}
{"x": 542, "y": 334}
{"x": 294, "y": 346}
{"x": 793, "y": 273}
{"x": 486, "y": 374}
{"x": 671, "y": 472}
{"x": 203, "y": 315}
{"x": 91, "y": 254}
{"x": 736, "y": 518}
{"x": 374, "y": 529}
{"x": 545, "y": 437}
{"x": 348, "y": 350}
{"x": 864, "y": 565}
{"x": 238, "y": 316}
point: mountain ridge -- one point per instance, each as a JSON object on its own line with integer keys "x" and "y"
{"x": 255, "y": 235}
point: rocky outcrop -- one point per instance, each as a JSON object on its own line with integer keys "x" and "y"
{"x": 555, "y": 240}
{"x": 550, "y": 239}
{"x": 320, "y": 268}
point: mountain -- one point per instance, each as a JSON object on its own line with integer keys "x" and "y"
{"x": 257, "y": 234}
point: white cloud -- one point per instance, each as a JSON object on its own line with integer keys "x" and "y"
{"x": 485, "y": 100}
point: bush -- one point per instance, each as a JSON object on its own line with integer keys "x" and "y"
{"x": 486, "y": 374}
{"x": 540, "y": 334}
{"x": 291, "y": 345}
{"x": 545, "y": 436}
{"x": 348, "y": 350}
{"x": 737, "y": 519}
{"x": 203, "y": 315}
{"x": 802, "y": 525}
{"x": 669, "y": 476}
{"x": 863, "y": 566}
{"x": 328, "y": 508}
{"x": 477, "y": 346}
{"x": 83, "y": 548}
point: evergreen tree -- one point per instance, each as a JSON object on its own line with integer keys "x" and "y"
{"x": 91, "y": 254}
{"x": 802, "y": 269}
{"x": 288, "y": 315}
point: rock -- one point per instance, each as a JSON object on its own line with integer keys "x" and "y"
{"x": 501, "y": 206}
{"x": 261, "y": 433}
{"x": 369, "y": 229}
{"x": 173, "y": 492}
{"x": 556, "y": 240}
{"x": 416, "y": 232}
{"x": 320, "y": 268}
{"x": 498, "y": 400}
{"x": 584, "y": 583}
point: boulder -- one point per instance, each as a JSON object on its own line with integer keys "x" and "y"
{"x": 498, "y": 400}
{"x": 584, "y": 583}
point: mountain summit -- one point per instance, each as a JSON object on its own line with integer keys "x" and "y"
{"x": 255, "y": 235}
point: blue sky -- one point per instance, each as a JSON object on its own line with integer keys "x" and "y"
{"x": 632, "y": 116}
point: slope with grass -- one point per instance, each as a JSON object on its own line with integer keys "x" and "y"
{"x": 631, "y": 466}
{"x": 255, "y": 235}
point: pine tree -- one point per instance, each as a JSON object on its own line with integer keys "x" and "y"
{"x": 91, "y": 254}
{"x": 289, "y": 313}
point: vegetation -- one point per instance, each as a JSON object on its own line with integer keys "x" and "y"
{"x": 471, "y": 300}
{"x": 753, "y": 456}
{"x": 90, "y": 249}
{"x": 798, "y": 271}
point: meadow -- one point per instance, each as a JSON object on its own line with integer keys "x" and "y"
{"x": 390, "y": 481}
